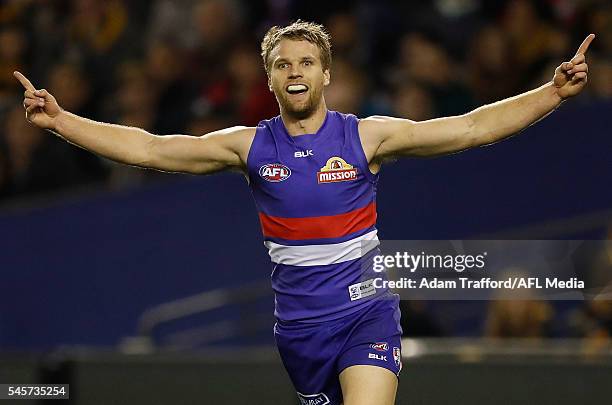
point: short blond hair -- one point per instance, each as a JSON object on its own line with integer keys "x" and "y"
{"x": 299, "y": 30}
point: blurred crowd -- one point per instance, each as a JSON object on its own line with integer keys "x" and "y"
{"x": 532, "y": 313}
{"x": 192, "y": 66}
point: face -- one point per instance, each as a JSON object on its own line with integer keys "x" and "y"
{"x": 297, "y": 77}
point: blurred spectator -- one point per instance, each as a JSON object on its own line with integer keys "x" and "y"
{"x": 37, "y": 160}
{"x": 414, "y": 102}
{"x": 98, "y": 26}
{"x": 99, "y": 35}
{"x": 133, "y": 104}
{"x": 344, "y": 29}
{"x": 596, "y": 17}
{"x": 11, "y": 11}
{"x": 208, "y": 122}
{"x": 534, "y": 41}
{"x": 134, "y": 100}
{"x": 173, "y": 91}
{"x": 171, "y": 20}
{"x": 491, "y": 74}
{"x": 192, "y": 66}
{"x": 12, "y": 49}
{"x": 252, "y": 99}
{"x": 593, "y": 321}
{"x": 347, "y": 89}
{"x": 518, "y": 313}
{"x": 68, "y": 83}
{"x": 518, "y": 319}
{"x": 218, "y": 27}
{"x": 594, "y": 318}
{"x": 600, "y": 79}
{"x": 417, "y": 56}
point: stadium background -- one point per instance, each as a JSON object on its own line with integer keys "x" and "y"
{"x": 88, "y": 246}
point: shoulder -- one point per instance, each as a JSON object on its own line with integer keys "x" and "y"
{"x": 381, "y": 128}
{"x": 236, "y": 140}
{"x": 372, "y": 129}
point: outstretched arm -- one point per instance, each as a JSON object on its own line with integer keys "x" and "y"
{"x": 385, "y": 137}
{"x": 220, "y": 150}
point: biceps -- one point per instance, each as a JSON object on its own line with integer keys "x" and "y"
{"x": 189, "y": 154}
{"x": 429, "y": 138}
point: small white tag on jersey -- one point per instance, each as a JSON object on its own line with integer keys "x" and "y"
{"x": 362, "y": 290}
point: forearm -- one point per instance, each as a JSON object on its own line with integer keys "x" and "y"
{"x": 504, "y": 118}
{"x": 119, "y": 143}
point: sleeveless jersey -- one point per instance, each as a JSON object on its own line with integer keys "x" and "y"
{"x": 316, "y": 199}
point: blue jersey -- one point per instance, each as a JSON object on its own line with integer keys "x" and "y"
{"x": 316, "y": 199}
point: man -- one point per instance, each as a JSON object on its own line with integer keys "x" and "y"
{"x": 313, "y": 174}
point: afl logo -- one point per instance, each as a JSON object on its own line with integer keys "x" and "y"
{"x": 380, "y": 346}
{"x": 274, "y": 172}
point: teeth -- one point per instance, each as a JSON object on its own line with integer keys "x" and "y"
{"x": 297, "y": 87}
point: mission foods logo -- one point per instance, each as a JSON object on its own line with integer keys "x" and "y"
{"x": 274, "y": 172}
{"x": 336, "y": 169}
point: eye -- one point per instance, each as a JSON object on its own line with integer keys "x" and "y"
{"x": 307, "y": 62}
{"x": 283, "y": 65}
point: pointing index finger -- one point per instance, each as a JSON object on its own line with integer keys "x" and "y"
{"x": 24, "y": 81}
{"x": 585, "y": 44}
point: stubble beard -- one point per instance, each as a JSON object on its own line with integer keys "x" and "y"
{"x": 301, "y": 111}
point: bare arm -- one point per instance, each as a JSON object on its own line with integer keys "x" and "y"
{"x": 388, "y": 137}
{"x": 220, "y": 150}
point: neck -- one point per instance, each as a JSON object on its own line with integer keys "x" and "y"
{"x": 309, "y": 125}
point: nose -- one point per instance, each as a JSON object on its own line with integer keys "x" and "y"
{"x": 295, "y": 72}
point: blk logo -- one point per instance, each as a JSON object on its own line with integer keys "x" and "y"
{"x": 303, "y": 153}
{"x": 377, "y": 357}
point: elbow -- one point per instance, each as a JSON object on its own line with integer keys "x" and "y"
{"x": 476, "y": 133}
{"x": 146, "y": 157}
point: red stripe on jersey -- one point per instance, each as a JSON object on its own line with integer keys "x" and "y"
{"x": 330, "y": 226}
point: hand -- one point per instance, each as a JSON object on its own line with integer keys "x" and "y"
{"x": 41, "y": 107}
{"x": 571, "y": 77}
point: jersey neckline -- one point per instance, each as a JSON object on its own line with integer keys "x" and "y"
{"x": 306, "y": 138}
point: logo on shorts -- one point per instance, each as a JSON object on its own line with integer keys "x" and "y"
{"x": 313, "y": 399}
{"x": 377, "y": 356}
{"x": 274, "y": 172}
{"x": 380, "y": 346}
{"x": 397, "y": 356}
{"x": 362, "y": 290}
{"x": 336, "y": 169}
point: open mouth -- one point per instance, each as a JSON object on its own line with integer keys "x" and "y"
{"x": 297, "y": 89}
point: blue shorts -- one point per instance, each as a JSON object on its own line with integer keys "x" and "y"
{"x": 315, "y": 354}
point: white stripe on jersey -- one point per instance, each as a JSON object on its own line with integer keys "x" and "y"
{"x": 321, "y": 255}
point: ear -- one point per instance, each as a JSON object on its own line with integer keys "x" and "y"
{"x": 270, "y": 85}
{"x": 326, "y": 77}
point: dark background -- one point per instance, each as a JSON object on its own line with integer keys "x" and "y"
{"x": 87, "y": 245}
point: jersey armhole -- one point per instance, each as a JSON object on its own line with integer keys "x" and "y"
{"x": 250, "y": 154}
{"x": 356, "y": 141}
